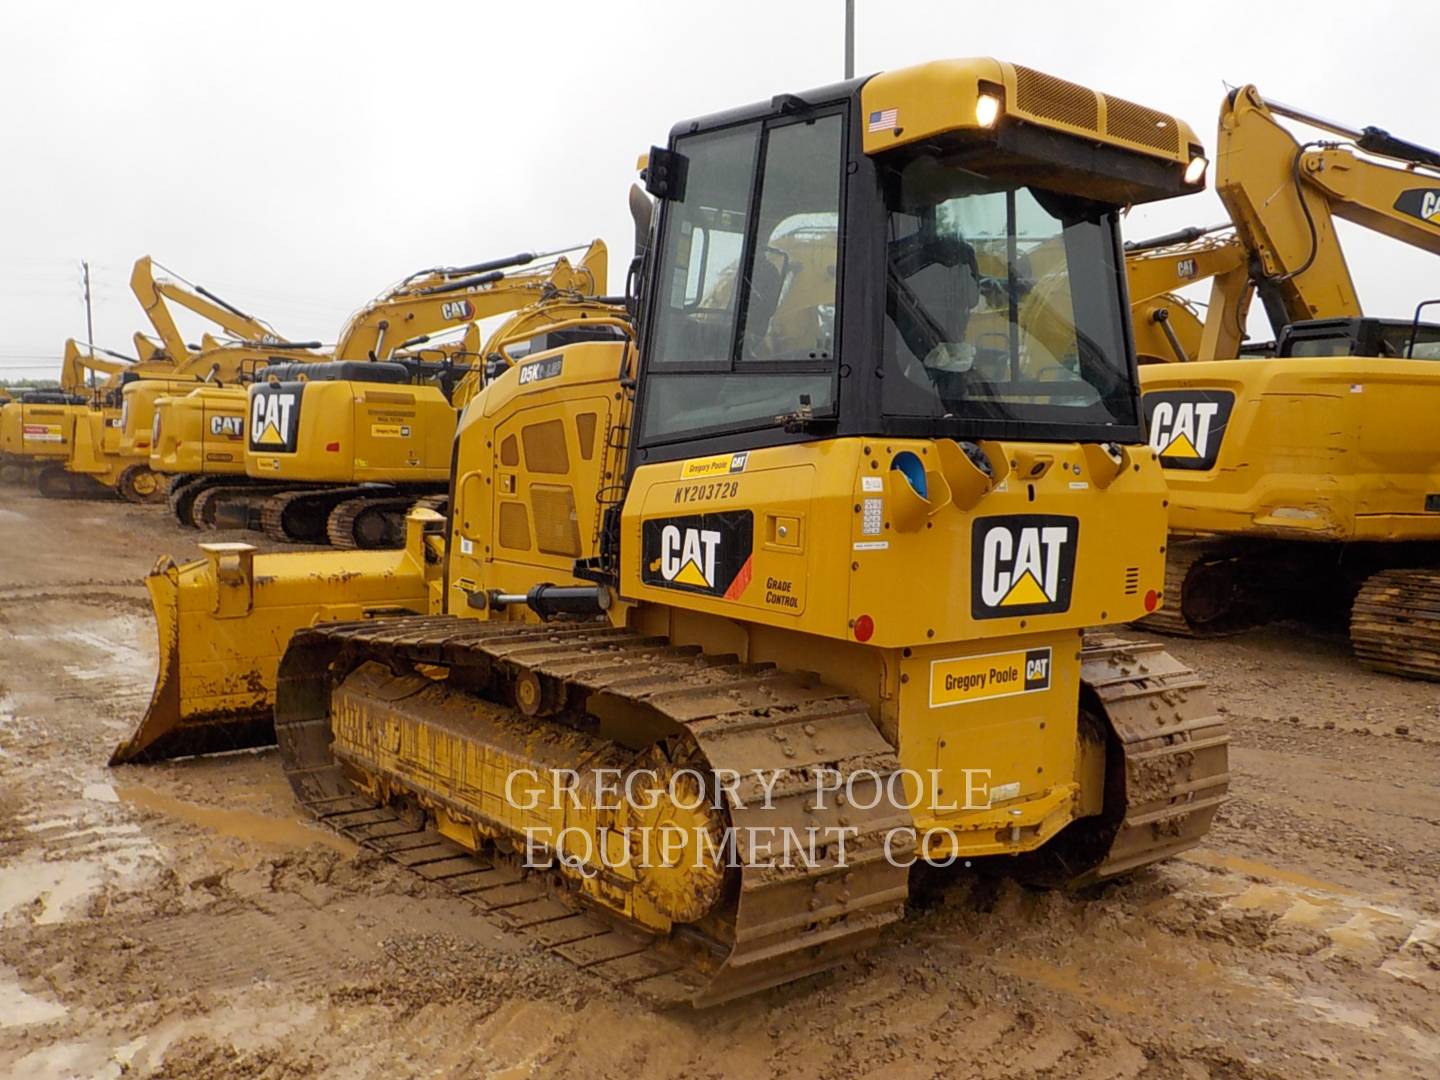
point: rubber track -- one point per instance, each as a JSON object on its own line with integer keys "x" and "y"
{"x": 1395, "y": 623}
{"x": 787, "y": 923}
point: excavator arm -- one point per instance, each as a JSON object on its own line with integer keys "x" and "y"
{"x": 1284, "y": 197}
{"x": 153, "y": 292}
{"x": 440, "y": 299}
{"x": 76, "y": 364}
{"x": 1166, "y": 329}
{"x": 1403, "y": 204}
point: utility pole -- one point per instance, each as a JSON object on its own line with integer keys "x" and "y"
{"x": 89, "y": 318}
{"x": 849, "y": 39}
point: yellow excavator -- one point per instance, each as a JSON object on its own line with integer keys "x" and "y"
{"x": 37, "y": 427}
{"x": 215, "y": 362}
{"x": 65, "y": 441}
{"x": 1167, "y": 328}
{"x": 794, "y": 560}
{"x": 200, "y": 432}
{"x": 1308, "y": 479}
{"x": 197, "y": 438}
{"x": 338, "y": 453}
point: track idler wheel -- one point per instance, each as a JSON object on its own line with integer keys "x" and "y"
{"x": 674, "y": 831}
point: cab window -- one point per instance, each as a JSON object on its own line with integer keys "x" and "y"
{"x": 749, "y": 280}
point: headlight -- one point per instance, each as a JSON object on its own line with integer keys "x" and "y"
{"x": 1195, "y": 171}
{"x": 987, "y": 110}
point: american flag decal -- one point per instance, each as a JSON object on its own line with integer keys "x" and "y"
{"x": 884, "y": 120}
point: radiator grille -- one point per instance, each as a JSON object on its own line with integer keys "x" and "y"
{"x": 1126, "y": 120}
{"x": 1055, "y": 99}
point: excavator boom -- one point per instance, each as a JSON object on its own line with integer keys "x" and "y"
{"x": 439, "y": 299}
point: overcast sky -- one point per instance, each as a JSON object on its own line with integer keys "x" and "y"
{"x": 299, "y": 157}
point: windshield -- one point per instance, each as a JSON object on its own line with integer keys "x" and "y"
{"x": 748, "y": 280}
{"x": 1002, "y": 302}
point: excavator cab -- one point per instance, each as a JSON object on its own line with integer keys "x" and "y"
{"x": 1392, "y": 338}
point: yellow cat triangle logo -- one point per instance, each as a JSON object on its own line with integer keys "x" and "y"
{"x": 271, "y": 434}
{"x": 1180, "y": 447}
{"x": 690, "y": 575}
{"x": 1026, "y": 590}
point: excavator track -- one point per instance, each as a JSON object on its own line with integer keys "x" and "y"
{"x": 1169, "y": 777}
{"x": 58, "y": 482}
{"x": 1207, "y": 592}
{"x": 365, "y": 523}
{"x": 785, "y": 923}
{"x": 301, "y": 516}
{"x": 181, "y": 495}
{"x": 1395, "y": 623}
{"x": 376, "y": 522}
{"x": 218, "y": 502}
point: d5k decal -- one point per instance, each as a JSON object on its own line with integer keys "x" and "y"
{"x": 1187, "y": 426}
{"x": 275, "y": 416}
{"x": 704, "y": 553}
{"x": 1022, "y": 564}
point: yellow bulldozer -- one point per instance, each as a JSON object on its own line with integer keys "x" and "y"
{"x": 799, "y": 565}
{"x": 338, "y": 453}
{"x": 1306, "y": 481}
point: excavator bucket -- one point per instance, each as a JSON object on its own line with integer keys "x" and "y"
{"x": 225, "y": 620}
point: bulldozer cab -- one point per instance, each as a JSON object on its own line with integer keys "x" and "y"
{"x": 822, "y": 268}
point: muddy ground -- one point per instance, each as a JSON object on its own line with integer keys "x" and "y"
{"x": 181, "y": 920}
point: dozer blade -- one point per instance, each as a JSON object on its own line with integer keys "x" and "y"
{"x": 224, "y": 621}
